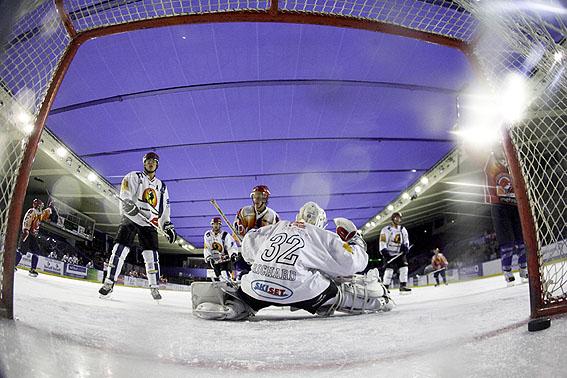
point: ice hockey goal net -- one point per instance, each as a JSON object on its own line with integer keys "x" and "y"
{"x": 499, "y": 37}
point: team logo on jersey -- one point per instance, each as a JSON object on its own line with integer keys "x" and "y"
{"x": 347, "y": 248}
{"x": 217, "y": 247}
{"x": 124, "y": 184}
{"x": 270, "y": 290}
{"x": 150, "y": 196}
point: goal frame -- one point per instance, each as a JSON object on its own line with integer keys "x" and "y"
{"x": 272, "y": 14}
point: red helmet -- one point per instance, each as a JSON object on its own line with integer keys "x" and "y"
{"x": 151, "y": 155}
{"x": 37, "y": 203}
{"x": 216, "y": 220}
{"x": 262, "y": 189}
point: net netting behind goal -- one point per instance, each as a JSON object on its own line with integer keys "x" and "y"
{"x": 508, "y": 37}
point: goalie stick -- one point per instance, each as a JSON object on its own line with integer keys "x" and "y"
{"x": 221, "y": 213}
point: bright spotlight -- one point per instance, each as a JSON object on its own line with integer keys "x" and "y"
{"x": 424, "y": 180}
{"x": 558, "y": 56}
{"x": 390, "y": 207}
{"x": 514, "y": 98}
{"x": 418, "y": 189}
{"x": 28, "y": 128}
{"x": 406, "y": 196}
{"x": 377, "y": 217}
{"x": 61, "y": 152}
{"x": 91, "y": 177}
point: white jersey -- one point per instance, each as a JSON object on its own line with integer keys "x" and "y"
{"x": 219, "y": 247}
{"x": 290, "y": 261}
{"x": 151, "y": 197}
{"x": 392, "y": 238}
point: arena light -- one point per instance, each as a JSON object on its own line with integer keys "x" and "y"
{"x": 406, "y": 196}
{"x": 418, "y": 189}
{"x": 390, "y": 207}
{"x": 91, "y": 177}
{"x": 424, "y": 181}
{"x": 558, "y": 56}
{"x": 514, "y": 99}
{"x": 61, "y": 152}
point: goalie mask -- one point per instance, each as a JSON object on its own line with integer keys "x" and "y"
{"x": 313, "y": 214}
{"x": 260, "y": 195}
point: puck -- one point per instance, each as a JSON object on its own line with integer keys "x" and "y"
{"x": 539, "y": 324}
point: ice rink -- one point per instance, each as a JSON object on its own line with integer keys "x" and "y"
{"x": 475, "y": 328}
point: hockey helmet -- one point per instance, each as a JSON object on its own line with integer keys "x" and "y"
{"x": 313, "y": 214}
{"x": 216, "y": 220}
{"x": 151, "y": 155}
{"x": 396, "y": 215}
{"x": 261, "y": 189}
{"x": 37, "y": 204}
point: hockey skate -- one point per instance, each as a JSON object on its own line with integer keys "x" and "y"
{"x": 404, "y": 290}
{"x": 524, "y": 275}
{"x": 106, "y": 290}
{"x": 155, "y": 293}
{"x": 509, "y": 277}
{"x": 32, "y": 273}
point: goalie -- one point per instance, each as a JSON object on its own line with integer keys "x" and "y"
{"x": 298, "y": 264}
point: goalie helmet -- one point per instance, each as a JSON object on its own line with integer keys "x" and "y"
{"x": 37, "y": 204}
{"x": 313, "y": 214}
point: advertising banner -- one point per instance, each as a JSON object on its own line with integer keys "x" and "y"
{"x": 75, "y": 271}
{"x": 470, "y": 271}
{"x": 51, "y": 265}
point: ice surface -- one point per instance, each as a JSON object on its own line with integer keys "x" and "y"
{"x": 475, "y": 328}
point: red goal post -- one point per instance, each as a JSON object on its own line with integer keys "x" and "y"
{"x": 46, "y": 37}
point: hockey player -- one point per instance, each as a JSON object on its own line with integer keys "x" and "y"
{"x": 253, "y": 217}
{"x": 439, "y": 265}
{"x": 30, "y": 229}
{"x": 298, "y": 264}
{"x": 394, "y": 245}
{"x": 499, "y": 193}
{"x": 145, "y": 206}
{"x": 219, "y": 250}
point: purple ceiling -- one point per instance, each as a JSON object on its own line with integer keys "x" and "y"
{"x": 338, "y": 116}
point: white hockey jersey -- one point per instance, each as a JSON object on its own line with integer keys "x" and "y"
{"x": 392, "y": 238}
{"x": 219, "y": 247}
{"x": 151, "y": 197}
{"x": 290, "y": 261}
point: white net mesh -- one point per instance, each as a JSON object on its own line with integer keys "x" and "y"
{"x": 517, "y": 37}
{"x": 509, "y": 36}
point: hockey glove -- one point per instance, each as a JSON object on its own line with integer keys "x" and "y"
{"x": 345, "y": 228}
{"x": 25, "y": 234}
{"x": 170, "y": 231}
{"x": 234, "y": 257}
{"x": 404, "y": 248}
{"x": 130, "y": 208}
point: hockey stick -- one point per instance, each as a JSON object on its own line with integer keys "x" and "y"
{"x": 216, "y": 205}
{"x": 158, "y": 229}
{"x": 398, "y": 255}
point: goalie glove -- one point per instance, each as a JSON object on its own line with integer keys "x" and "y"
{"x": 130, "y": 208}
{"x": 345, "y": 228}
{"x": 170, "y": 231}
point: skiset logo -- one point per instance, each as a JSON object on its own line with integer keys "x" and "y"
{"x": 271, "y": 290}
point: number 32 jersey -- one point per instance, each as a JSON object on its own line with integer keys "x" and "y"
{"x": 288, "y": 259}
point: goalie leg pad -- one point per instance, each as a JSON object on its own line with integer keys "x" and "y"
{"x": 363, "y": 294}
{"x": 119, "y": 254}
{"x": 214, "y": 301}
{"x": 151, "y": 259}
